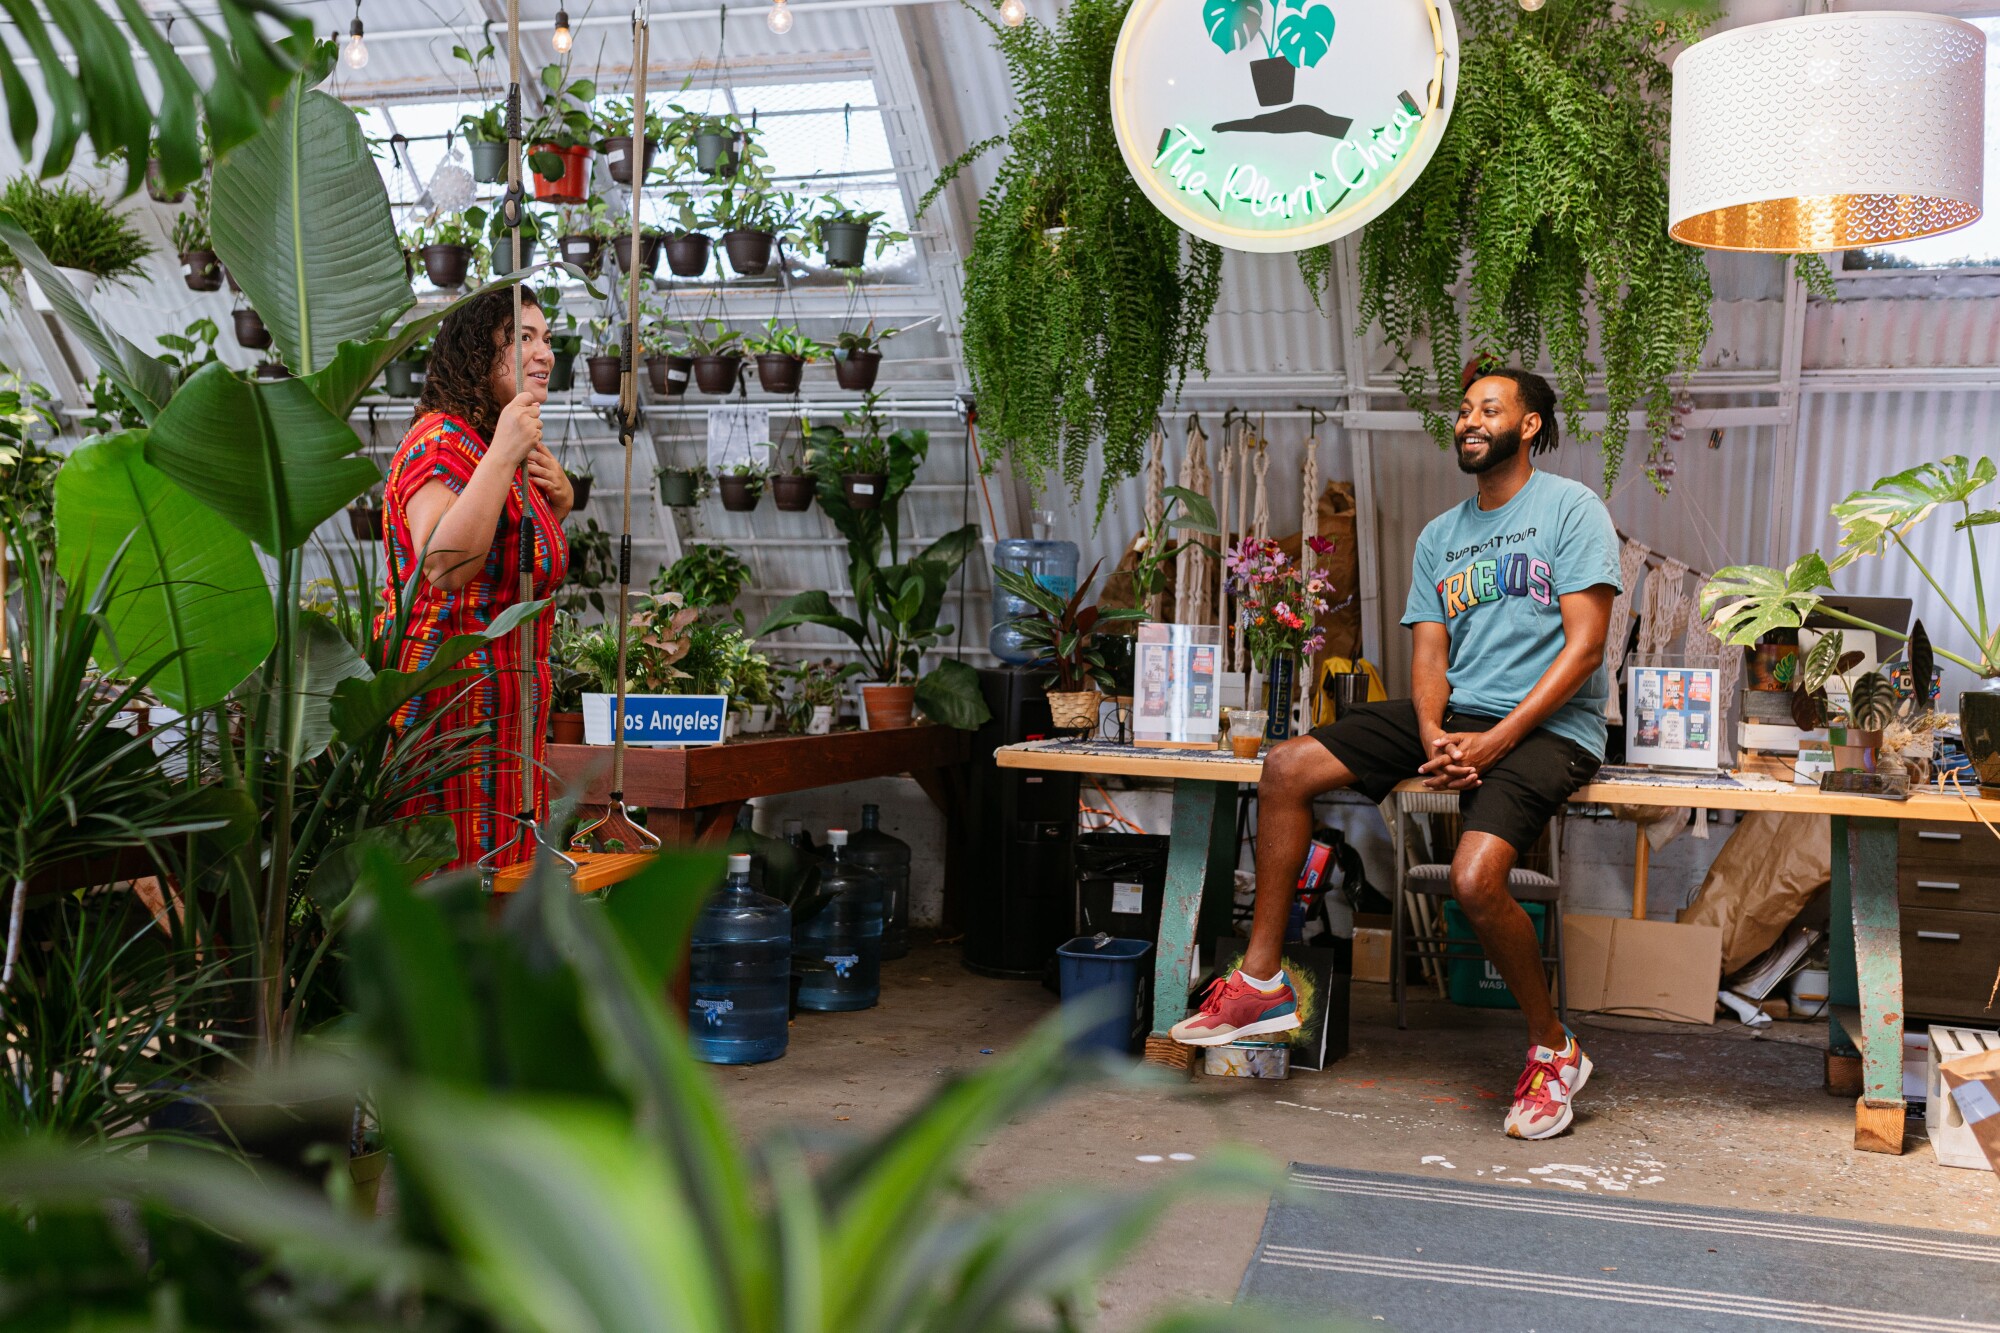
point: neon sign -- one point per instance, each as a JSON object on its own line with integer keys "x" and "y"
{"x": 1288, "y": 157}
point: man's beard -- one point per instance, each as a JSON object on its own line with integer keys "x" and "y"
{"x": 1501, "y": 446}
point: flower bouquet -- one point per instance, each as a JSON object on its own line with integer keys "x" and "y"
{"x": 1279, "y": 606}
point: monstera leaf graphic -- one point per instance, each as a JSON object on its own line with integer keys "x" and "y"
{"x": 1304, "y": 36}
{"x": 1232, "y": 23}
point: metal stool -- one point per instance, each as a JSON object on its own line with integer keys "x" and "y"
{"x": 1431, "y": 880}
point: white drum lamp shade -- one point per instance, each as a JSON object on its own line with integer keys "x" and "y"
{"x": 1828, "y": 132}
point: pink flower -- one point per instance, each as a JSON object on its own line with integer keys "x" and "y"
{"x": 1314, "y": 642}
{"x": 1284, "y": 608}
{"x": 1320, "y": 545}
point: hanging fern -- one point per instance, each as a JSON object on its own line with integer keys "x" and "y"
{"x": 1082, "y": 310}
{"x": 1315, "y": 264}
{"x": 1550, "y": 183}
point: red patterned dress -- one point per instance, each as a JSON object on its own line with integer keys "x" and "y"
{"x": 483, "y": 799}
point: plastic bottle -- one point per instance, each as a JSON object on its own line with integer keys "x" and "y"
{"x": 889, "y": 857}
{"x": 740, "y": 974}
{"x": 846, "y": 935}
{"x": 1053, "y": 565}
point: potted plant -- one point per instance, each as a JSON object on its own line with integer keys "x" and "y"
{"x": 364, "y": 519}
{"x": 1744, "y": 601}
{"x": 561, "y": 136}
{"x": 564, "y": 341}
{"x": 1871, "y": 707}
{"x": 250, "y": 330}
{"x": 485, "y": 133}
{"x": 742, "y": 486}
{"x": 682, "y": 487}
{"x": 1180, "y": 508}
{"x": 404, "y": 376}
{"x": 501, "y": 239}
{"x": 650, "y": 240}
{"x": 708, "y": 577}
{"x": 751, "y": 216}
{"x": 1282, "y": 607}
{"x": 811, "y": 693}
{"x": 717, "y": 355}
{"x": 688, "y": 246}
{"x": 782, "y": 356}
{"x": 792, "y": 490}
{"x": 584, "y": 229}
{"x": 1064, "y": 634}
{"x": 273, "y": 370}
{"x": 840, "y": 232}
{"x": 859, "y": 463}
{"x": 615, "y": 125}
{"x": 200, "y": 269}
{"x": 668, "y": 371}
{"x": 857, "y": 357}
{"x": 608, "y": 364}
{"x": 580, "y": 481}
{"x": 79, "y": 232}
{"x": 717, "y": 142}
{"x": 569, "y": 676}
{"x": 448, "y": 244}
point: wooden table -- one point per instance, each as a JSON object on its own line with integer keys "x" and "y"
{"x": 691, "y": 795}
{"x": 1866, "y": 980}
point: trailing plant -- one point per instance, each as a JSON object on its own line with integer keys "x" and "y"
{"x": 75, "y": 229}
{"x": 708, "y": 577}
{"x": 1063, "y": 631}
{"x": 488, "y": 125}
{"x": 1085, "y": 306}
{"x": 1548, "y": 197}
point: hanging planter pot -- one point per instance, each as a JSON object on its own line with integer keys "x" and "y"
{"x": 446, "y": 265}
{"x": 250, "y": 330}
{"x": 669, "y": 374}
{"x": 157, "y": 189}
{"x": 679, "y": 487}
{"x": 604, "y": 373}
{"x": 779, "y": 373}
{"x": 582, "y": 251}
{"x": 230, "y": 278}
{"x": 856, "y": 371}
{"x": 489, "y": 160}
{"x": 793, "y": 491}
{"x": 687, "y": 254}
{"x": 749, "y": 251}
{"x": 717, "y": 374}
{"x": 715, "y": 152}
{"x": 1273, "y": 79}
{"x": 365, "y": 522}
{"x": 573, "y": 185}
{"x": 649, "y": 252}
{"x": 503, "y": 253}
{"x": 562, "y": 375}
{"x": 846, "y": 244}
{"x": 404, "y": 378}
{"x": 202, "y": 270}
{"x": 864, "y": 489}
{"x": 579, "y": 490}
{"x": 740, "y": 494}
{"x": 272, "y": 370}
{"x": 618, "y": 157}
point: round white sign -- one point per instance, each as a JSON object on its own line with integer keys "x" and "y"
{"x": 1281, "y": 124}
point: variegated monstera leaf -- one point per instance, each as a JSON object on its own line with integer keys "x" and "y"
{"x": 1869, "y": 520}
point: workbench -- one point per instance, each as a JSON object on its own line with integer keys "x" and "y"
{"x": 1866, "y": 942}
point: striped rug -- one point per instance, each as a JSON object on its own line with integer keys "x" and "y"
{"x": 1416, "y": 1254}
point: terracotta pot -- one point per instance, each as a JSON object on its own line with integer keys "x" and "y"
{"x": 1074, "y": 710}
{"x": 779, "y": 373}
{"x": 889, "y": 706}
{"x": 687, "y": 254}
{"x": 669, "y": 374}
{"x": 618, "y": 157}
{"x": 583, "y": 251}
{"x": 250, "y": 330}
{"x": 749, "y": 251}
{"x": 573, "y": 186}
{"x": 566, "y": 728}
{"x": 202, "y": 270}
{"x": 717, "y": 374}
{"x": 1854, "y": 747}
{"x": 446, "y": 265}
{"x": 856, "y": 371}
{"x": 604, "y": 373}
{"x": 740, "y": 494}
{"x": 846, "y": 244}
{"x": 864, "y": 489}
{"x": 649, "y": 252}
{"x": 793, "y": 491}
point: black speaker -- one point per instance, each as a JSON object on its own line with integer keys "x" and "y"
{"x": 1018, "y": 904}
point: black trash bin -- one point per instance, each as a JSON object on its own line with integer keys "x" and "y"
{"x": 1121, "y": 880}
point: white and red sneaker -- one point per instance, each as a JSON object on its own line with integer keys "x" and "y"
{"x": 1233, "y": 1008}
{"x": 1541, "y": 1108}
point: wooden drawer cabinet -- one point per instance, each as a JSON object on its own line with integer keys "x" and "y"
{"x": 1949, "y": 888}
{"x": 1949, "y": 960}
{"x": 1948, "y": 847}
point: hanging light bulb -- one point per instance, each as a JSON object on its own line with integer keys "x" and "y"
{"x": 357, "y": 50}
{"x": 779, "y": 19}
{"x": 562, "y": 38}
{"x": 1532, "y": 5}
{"x": 1013, "y": 13}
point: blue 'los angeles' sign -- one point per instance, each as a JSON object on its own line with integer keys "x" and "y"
{"x": 658, "y": 719}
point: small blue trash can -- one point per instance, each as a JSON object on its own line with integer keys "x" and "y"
{"x": 1113, "y": 967}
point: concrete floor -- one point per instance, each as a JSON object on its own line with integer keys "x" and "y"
{"x": 1719, "y": 1116}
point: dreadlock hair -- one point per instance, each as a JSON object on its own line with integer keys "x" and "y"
{"x": 1536, "y": 396}
{"x": 463, "y": 356}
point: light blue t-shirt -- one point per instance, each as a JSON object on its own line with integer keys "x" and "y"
{"x": 1492, "y": 577}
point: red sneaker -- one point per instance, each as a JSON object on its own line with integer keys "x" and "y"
{"x": 1233, "y": 1008}
{"x": 1542, "y": 1098}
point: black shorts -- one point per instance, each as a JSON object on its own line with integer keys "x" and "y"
{"x": 1515, "y": 799}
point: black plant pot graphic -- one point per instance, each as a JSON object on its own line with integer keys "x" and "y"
{"x": 1273, "y": 79}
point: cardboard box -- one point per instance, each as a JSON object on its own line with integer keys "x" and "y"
{"x": 1371, "y": 948}
{"x": 1645, "y": 969}
{"x": 1974, "y": 1083}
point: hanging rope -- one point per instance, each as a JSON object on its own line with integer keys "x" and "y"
{"x": 1309, "y": 507}
{"x": 1225, "y": 457}
{"x": 1631, "y": 564}
{"x": 1156, "y": 505}
{"x": 1193, "y": 602}
{"x": 1260, "y": 511}
{"x": 1665, "y": 608}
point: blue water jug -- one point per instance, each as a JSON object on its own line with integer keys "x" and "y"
{"x": 889, "y": 857}
{"x": 845, "y": 935}
{"x": 740, "y": 974}
{"x": 1053, "y": 565}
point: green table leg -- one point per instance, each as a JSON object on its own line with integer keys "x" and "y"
{"x": 1201, "y": 860}
{"x": 1866, "y": 982}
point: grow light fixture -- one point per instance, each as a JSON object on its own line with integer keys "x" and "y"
{"x": 1828, "y": 132}
{"x": 561, "y": 41}
{"x": 779, "y": 18}
{"x": 1013, "y": 13}
{"x": 357, "y": 50}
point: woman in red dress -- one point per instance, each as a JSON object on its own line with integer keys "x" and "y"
{"x": 454, "y": 512}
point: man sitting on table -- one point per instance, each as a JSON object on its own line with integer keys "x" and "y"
{"x": 1510, "y": 598}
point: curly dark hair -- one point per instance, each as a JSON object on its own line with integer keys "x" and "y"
{"x": 462, "y": 357}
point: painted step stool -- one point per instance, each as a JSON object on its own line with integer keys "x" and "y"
{"x": 1951, "y": 1137}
